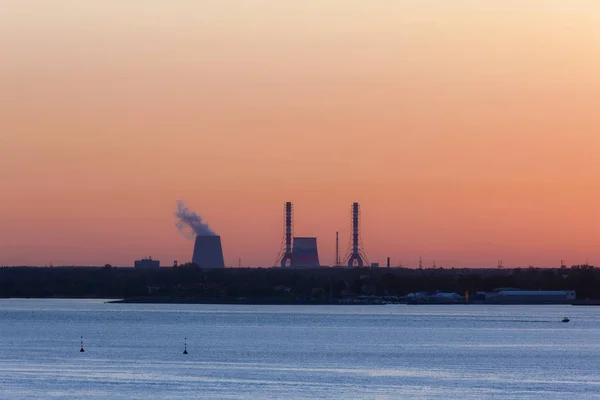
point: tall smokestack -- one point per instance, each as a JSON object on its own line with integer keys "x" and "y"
{"x": 355, "y": 227}
{"x": 337, "y": 249}
{"x": 356, "y": 257}
{"x": 284, "y": 259}
{"x": 208, "y": 252}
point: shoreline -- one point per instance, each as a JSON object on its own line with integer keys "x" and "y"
{"x": 321, "y": 302}
{"x": 303, "y": 302}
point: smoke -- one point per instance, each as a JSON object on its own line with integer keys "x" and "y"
{"x": 190, "y": 224}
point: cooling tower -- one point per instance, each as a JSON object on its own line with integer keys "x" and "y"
{"x": 304, "y": 253}
{"x": 208, "y": 252}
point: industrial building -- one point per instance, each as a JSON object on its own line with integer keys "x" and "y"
{"x": 208, "y": 252}
{"x": 146, "y": 262}
{"x": 305, "y": 253}
{"x": 434, "y": 298}
{"x": 516, "y": 296}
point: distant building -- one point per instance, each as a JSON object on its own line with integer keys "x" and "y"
{"x": 147, "y": 263}
{"x": 435, "y": 298}
{"x": 305, "y": 253}
{"x": 516, "y": 296}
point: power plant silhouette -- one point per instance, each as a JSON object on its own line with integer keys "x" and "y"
{"x": 302, "y": 252}
{"x": 295, "y": 252}
{"x": 208, "y": 252}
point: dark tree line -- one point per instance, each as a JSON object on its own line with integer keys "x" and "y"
{"x": 192, "y": 282}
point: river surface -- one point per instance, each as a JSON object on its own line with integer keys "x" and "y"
{"x": 134, "y": 351}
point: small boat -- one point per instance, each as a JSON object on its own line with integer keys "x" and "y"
{"x": 565, "y": 319}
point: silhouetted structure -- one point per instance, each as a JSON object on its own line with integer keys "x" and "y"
{"x": 356, "y": 256}
{"x": 337, "y": 250}
{"x": 208, "y": 252}
{"x": 146, "y": 262}
{"x": 284, "y": 259}
{"x": 305, "y": 253}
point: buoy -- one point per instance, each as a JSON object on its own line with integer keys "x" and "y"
{"x": 185, "y": 346}
{"x": 82, "y": 350}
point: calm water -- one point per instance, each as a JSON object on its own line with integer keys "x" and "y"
{"x": 297, "y": 352}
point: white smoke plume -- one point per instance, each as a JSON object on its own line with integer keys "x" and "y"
{"x": 191, "y": 224}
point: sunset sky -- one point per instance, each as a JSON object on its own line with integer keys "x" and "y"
{"x": 468, "y": 130}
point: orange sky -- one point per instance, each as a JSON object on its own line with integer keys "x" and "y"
{"x": 468, "y": 130}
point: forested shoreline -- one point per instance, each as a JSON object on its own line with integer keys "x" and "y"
{"x": 281, "y": 285}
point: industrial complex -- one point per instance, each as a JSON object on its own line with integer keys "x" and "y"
{"x": 295, "y": 252}
{"x": 302, "y": 252}
{"x": 300, "y": 278}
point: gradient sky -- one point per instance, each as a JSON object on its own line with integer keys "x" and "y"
{"x": 468, "y": 130}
